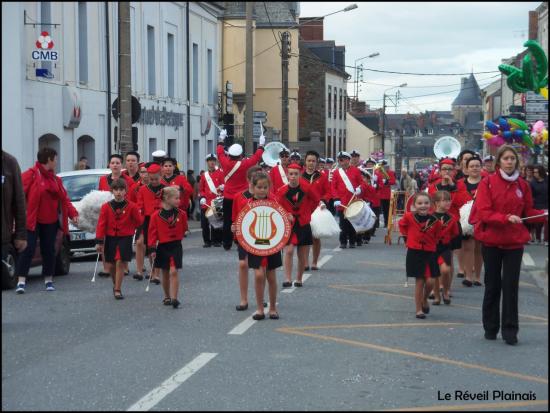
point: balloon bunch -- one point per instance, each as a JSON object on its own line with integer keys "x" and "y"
{"x": 533, "y": 74}
{"x": 507, "y": 131}
{"x": 539, "y": 133}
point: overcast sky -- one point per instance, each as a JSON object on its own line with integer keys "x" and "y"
{"x": 424, "y": 37}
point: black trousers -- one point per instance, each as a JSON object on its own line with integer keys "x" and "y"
{"x": 502, "y": 269}
{"x": 376, "y": 211}
{"x": 209, "y": 233}
{"x": 385, "y": 205}
{"x": 346, "y": 230}
{"x": 227, "y": 234}
{"x": 47, "y": 234}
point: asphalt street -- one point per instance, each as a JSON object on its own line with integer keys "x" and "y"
{"x": 347, "y": 340}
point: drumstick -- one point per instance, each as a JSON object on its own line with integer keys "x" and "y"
{"x": 536, "y": 216}
{"x": 95, "y": 270}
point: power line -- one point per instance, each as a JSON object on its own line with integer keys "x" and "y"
{"x": 270, "y": 25}
{"x": 427, "y": 86}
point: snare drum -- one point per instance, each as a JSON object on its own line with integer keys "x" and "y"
{"x": 214, "y": 213}
{"x": 359, "y": 214}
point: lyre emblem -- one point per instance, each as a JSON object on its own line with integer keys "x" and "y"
{"x": 262, "y": 228}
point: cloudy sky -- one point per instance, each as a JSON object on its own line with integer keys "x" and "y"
{"x": 424, "y": 37}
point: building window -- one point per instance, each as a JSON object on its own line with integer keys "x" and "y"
{"x": 430, "y": 131}
{"x": 210, "y": 85}
{"x": 340, "y": 140}
{"x": 172, "y": 148}
{"x": 340, "y": 111}
{"x": 335, "y": 103}
{"x": 345, "y": 141}
{"x": 151, "y": 58}
{"x": 152, "y": 146}
{"x": 171, "y": 69}
{"x": 82, "y": 42}
{"x": 329, "y": 143}
{"x": 345, "y": 103}
{"x": 195, "y": 73}
{"x": 329, "y": 106}
{"x": 334, "y": 141}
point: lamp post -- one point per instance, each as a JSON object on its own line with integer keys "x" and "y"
{"x": 356, "y": 89}
{"x": 384, "y": 115}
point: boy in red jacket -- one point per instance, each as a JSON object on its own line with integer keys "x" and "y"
{"x": 118, "y": 220}
{"x": 166, "y": 230}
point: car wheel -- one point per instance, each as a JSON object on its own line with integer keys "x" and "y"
{"x": 63, "y": 259}
{"x": 9, "y": 280}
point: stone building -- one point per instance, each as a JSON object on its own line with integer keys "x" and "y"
{"x": 466, "y": 109}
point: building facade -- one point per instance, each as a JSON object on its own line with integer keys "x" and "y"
{"x": 41, "y": 98}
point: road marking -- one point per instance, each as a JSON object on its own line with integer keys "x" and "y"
{"x": 354, "y": 288}
{"x": 323, "y": 260}
{"x": 472, "y": 406}
{"x": 246, "y": 324}
{"x": 422, "y": 356}
{"x": 337, "y": 249}
{"x": 527, "y": 260}
{"x": 291, "y": 289}
{"x": 152, "y": 398}
{"x": 382, "y": 264}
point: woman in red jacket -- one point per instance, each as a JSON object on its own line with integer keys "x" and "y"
{"x": 46, "y": 200}
{"x": 502, "y": 199}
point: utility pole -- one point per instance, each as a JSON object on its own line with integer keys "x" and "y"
{"x": 124, "y": 79}
{"x": 383, "y": 124}
{"x": 285, "y": 50}
{"x": 249, "y": 114}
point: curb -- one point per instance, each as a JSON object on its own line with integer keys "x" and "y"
{"x": 541, "y": 278}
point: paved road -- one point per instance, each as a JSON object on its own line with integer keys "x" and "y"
{"x": 347, "y": 340}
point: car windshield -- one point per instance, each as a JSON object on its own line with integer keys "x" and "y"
{"x": 78, "y": 186}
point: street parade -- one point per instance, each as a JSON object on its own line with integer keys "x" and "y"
{"x": 354, "y": 262}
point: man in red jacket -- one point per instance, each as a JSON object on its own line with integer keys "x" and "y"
{"x": 385, "y": 179}
{"x": 234, "y": 167}
{"x": 346, "y": 184}
{"x": 278, "y": 173}
{"x": 210, "y": 187}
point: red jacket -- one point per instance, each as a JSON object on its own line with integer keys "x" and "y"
{"x": 496, "y": 200}
{"x": 320, "y": 185}
{"x": 204, "y": 189}
{"x": 369, "y": 194}
{"x": 104, "y": 183}
{"x": 149, "y": 201}
{"x": 339, "y": 190}
{"x": 132, "y": 196}
{"x": 186, "y": 190}
{"x": 276, "y": 178}
{"x": 121, "y": 222}
{"x": 456, "y": 197}
{"x": 420, "y": 236}
{"x": 239, "y": 202}
{"x": 136, "y": 178}
{"x": 302, "y": 204}
{"x": 384, "y": 189}
{"x": 450, "y": 229}
{"x": 33, "y": 186}
{"x": 164, "y": 229}
{"x": 237, "y": 182}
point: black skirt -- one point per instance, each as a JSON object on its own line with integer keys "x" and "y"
{"x": 241, "y": 251}
{"x": 169, "y": 254}
{"x": 418, "y": 262}
{"x": 118, "y": 248}
{"x": 271, "y": 261}
{"x": 445, "y": 253}
{"x": 301, "y": 235}
{"x": 456, "y": 242}
{"x": 145, "y": 229}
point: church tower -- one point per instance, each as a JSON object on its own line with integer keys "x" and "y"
{"x": 468, "y": 100}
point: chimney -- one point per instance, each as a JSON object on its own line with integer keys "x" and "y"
{"x": 533, "y": 25}
{"x": 311, "y": 30}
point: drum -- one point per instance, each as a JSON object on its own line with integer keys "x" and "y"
{"x": 359, "y": 214}
{"x": 214, "y": 213}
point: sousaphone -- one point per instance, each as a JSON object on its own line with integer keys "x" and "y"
{"x": 446, "y": 146}
{"x": 271, "y": 153}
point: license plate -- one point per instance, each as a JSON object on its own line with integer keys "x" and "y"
{"x": 78, "y": 236}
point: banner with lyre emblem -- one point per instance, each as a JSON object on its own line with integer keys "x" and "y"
{"x": 263, "y": 228}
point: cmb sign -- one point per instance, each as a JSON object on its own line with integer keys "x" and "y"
{"x": 44, "y": 45}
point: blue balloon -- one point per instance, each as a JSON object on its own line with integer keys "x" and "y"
{"x": 518, "y": 135}
{"x": 493, "y": 127}
{"x": 507, "y": 135}
{"x": 503, "y": 123}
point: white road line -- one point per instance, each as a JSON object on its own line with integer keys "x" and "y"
{"x": 151, "y": 399}
{"x": 246, "y": 324}
{"x": 195, "y": 230}
{"x": 337, "y": 249}
{"x": 324, "y": 260}
{"x": 291, "y": 289}
{"x": 527, "y": 260}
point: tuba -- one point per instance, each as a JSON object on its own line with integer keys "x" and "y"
{"x": 271, "y": 153}
{"x": 380, "y": 167}
{"x": 446, "y": 146}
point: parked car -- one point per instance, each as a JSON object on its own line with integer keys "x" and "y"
{"x": 62, "y": 261}
{"x": 78, "y": 184}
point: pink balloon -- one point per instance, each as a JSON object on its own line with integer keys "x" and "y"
{"x": 538, "y": 126}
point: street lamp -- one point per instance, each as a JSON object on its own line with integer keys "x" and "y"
{"x": 384, "y": 113}
{"x": 356, "y": 91}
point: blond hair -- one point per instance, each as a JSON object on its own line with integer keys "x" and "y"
{"x": 169, "y": 192}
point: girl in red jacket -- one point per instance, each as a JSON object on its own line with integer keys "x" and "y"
{"x": 449, "y": 232}
{"x": 422, "y": 231}
{"x": 140, "y": 242}
{"x": 502, "y": 199}
{"x": 117, "y": 223}
{"x": 166, "y": 230}
{"x": 179, "y": 181}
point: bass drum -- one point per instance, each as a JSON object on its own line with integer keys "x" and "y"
{"x": 361, "y": 216}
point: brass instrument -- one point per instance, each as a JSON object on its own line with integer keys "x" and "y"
{"x": 379, "y": 166}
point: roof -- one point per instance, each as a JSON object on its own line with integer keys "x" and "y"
{"x": 469, "y": 94}
{"x": 330, "y": 54}
{"x": 370, "y": 121}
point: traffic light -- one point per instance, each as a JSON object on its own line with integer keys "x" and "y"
{"x": 228, "y": 124}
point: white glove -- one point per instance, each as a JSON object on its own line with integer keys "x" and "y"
{"x": 220, "y": 188}
{"x": 202, "y": 201}
{"x": 337, "y": 203}
{"x": 223, "y": 135}
{"x": 357, "y": 191}
{"x": 374, "y": 178}
{"x": 262, "y": 140}
{"x": 322, "y": 205}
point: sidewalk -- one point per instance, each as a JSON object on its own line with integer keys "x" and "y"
{"x": 535, "y": 263}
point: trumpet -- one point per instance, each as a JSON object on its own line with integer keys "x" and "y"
{"x": 380, "y": 167}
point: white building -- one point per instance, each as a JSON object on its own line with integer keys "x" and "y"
{"x": 37, "y": 111}
{"x": 336, "y": 114}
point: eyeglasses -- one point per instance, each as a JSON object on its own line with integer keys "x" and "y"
{"x": 447, "y": 169}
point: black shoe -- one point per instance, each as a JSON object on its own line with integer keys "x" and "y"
{"x": 242, "y": 307}
{"x": 477, "y": 284}
{"x": 207, "y": 245}
{"x": 126, "y": 273}
{"x": 306, "y": 269}
{"x": 512, "y": 341}
{"x": 257, "y": 316}
{"x": 460, "y": 275}
{"x": 421, "y": 315}
{"x": 467, "y": 283}
{"x": 274, "y": 316}
{"x": 155, "y": 281}
{"x": 217, "y": 244}
{"x": 343, "y": 246}
{"x": 167, "y": 301}
{"x": 490, "y": 336}
{"x": 103, "y": 274}
{"x": 287, "y": 284}
{"x": 426, "y": 310}
{"x": 297, "y": 284}
{"x": 447, "y": 301}
{"x": 175, "y": 303}
{"x": 138, "y": 277}
{"x": 118, "y": 296}
{"x": 226, "y": 247}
